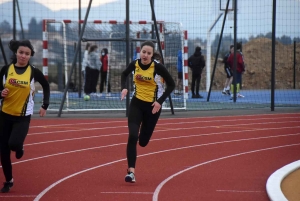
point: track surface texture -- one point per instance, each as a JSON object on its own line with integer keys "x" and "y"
{"x": 204, "y": 155}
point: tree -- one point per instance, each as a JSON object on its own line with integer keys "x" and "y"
{"x": 297, "y": 39}
{"x": 5, "y": 27}
{"x": 286, "y": 40}
{"x": 35, "y": 29}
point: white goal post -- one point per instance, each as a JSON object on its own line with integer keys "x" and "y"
{"x": 60, "y": 38}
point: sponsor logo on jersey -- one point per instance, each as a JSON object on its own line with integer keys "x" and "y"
{"x": 142, "y": 78}
{"x": 17, "y": 83}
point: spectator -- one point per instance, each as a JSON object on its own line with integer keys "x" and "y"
{"x": 92, "y": 71}
{"x": 229, "y": 73}
{"x": 196, "y": 62}
{"x": 179, "y": 73}
{"x": 240, "y": 68}
{"x": 104, "y": 78}
{"x": 85, "y": 62}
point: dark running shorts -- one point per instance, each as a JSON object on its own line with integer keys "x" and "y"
{"x": 228, "y": 72}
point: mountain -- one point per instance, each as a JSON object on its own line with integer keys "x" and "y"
{"x": 196, "y": 16}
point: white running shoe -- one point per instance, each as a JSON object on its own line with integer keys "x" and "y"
{"x": 99, "y": 95}
{"x": 108, "y": 95}
{"x": 240, "y": 96}
{"x": 130, "y": 177}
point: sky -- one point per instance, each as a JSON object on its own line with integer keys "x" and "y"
{"x": 56, "y": 5}
{"x": 196, "y": 16}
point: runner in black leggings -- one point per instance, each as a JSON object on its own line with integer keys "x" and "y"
{"x": 16, "y": 94}
{"x": 145, "y": 106}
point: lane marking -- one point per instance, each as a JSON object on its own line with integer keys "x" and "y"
{"x": 169, "y": 123}
{"x": 17, "y": 196}
{"x": 231, "y": 118}
{"x": 240, "y": 191}
{"x": 160, "y": 186}
{"x": 190, "y": 128}
{"x": 127, "y": 193}
{"x": 41, "y": 194}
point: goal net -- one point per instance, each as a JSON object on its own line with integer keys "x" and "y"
{"x": 60, "y": 40}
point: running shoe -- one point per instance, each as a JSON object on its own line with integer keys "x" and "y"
{"x": 130, "y": 177}
{"x": 7, "y": 186}
{"x": 240, "y": 96}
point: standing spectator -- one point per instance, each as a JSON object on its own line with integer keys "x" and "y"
{"x": 85, "y": 62}
{"x": 179, "y": 73}
{"x": 145, "y": 105}
{"x": 17, "y": 92}
{"x": 196, "y": 62}
{"x": 92, "y": 71}
{"x": 229, "y": 73}
{"x": 240, "y": 68}
{"x": 104, "y": 79}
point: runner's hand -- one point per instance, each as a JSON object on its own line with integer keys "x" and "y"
{"x": 156, "y": 107}
{"x": 123, "y": 93}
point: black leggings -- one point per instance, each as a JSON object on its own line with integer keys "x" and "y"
{"x": 103, "y": 82}
{"x": 140, "y": 120}
{"x": 196, "y": 78}
{"x": 91, "y": 80}
{"x": 13, "y": 131}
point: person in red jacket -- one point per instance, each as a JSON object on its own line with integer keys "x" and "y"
{"x": 240, "y": 68}
{"x": 104, "y": 72}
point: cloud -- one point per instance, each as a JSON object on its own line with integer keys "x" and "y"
{"x": 56, "y": 5}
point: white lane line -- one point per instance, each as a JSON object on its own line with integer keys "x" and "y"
{"x": 77, "y": 130}
{"x": 184, "y": 118}
{"x": 17, "y": 196}
{"x": 112, "y": 145}
{"x": 152, "y": 153}
{"x": 160, "y": 186}
{"x": 164, "y": 124}
{"x": 68, "y": 152}
{"x": 165, "y": 130}
{"x": 87, "y": 123}
{"x": 240, "y": 191}
{"x": 127, "y": 193}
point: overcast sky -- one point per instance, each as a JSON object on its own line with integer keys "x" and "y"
{"x": 196, "y": 16}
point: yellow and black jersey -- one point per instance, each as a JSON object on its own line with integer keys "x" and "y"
{"x": 20, "y": 83}
{"x": 147, "y": 81}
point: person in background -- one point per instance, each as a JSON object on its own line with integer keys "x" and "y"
{"x": 104, "y": 79}
{"x": 229, "y": 73}
{"x": 240, "y": 69}
{"x": 179, "y": 72}
{"x": 92, "y": 71}
{"x": 17, "y": 92}
{"x": 196, "y": 62}
{"x": 85, "y": 62}
{"x": 145, "y": 105}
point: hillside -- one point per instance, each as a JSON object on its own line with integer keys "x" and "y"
{"x": 258, "y": 55}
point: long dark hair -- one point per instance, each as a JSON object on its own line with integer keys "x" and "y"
{"x": 14, "y": 46}
{"x": 156, "y": 56}
{"x": 93, "y": 48}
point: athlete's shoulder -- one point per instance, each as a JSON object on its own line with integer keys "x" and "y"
{"x": 158, "y": 65}
{"x": 4, "y": 70}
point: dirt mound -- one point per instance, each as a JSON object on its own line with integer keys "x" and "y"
{"x": 257, "y": 55}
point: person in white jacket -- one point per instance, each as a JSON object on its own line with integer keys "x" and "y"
{"x": 84, "y": 63}
{"x": 92, "y": 71}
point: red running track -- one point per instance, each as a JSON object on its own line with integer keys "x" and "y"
{"x": 202, "y": 158}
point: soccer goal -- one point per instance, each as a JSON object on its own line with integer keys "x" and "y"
{"x": 59, "y": 45}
